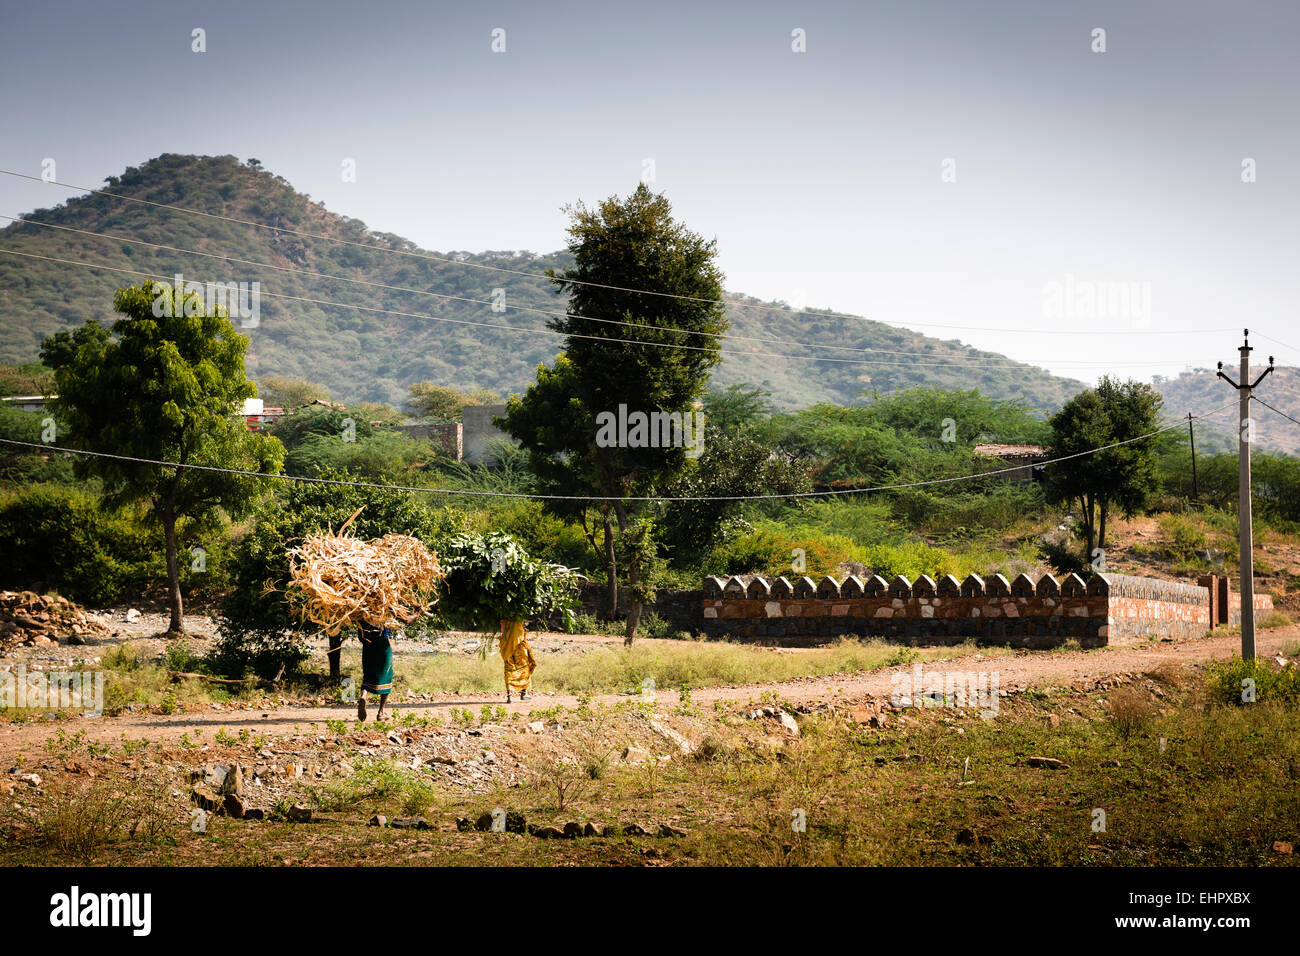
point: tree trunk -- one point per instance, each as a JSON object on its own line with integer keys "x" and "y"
{"x": 1101, "y": 533}
{"x": 633, "y": 619}
{"x": 611, "y": 571}
{"x": 1089, "y": 526}
{"x": 174, "y": 599}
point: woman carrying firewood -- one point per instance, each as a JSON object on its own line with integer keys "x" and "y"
{"x": 377, "y": 662}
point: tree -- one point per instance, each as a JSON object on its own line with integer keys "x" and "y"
{"x": 1124, "y": 476}
{"x": 444, "y": 403}
{"x": 731, "y": 465}
{"x": 290, "y": 393}
{"x": 730, "y": 409}
{"x": 605, "y": 370}
{"x": 166, "y": 388}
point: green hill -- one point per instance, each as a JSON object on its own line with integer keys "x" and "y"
{"x": 362, "y": 355}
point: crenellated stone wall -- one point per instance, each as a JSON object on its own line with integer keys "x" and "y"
{"x": 1105, "y": 609}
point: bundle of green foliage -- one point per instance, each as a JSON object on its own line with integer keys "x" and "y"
{"x": 256, "y": 626}
{"x": 490, "y": 579}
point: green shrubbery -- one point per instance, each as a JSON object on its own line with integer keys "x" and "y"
{"x": 1272, "y": 684}
{"x": 60, "y": 538}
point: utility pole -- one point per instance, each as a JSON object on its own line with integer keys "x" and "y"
{"x": 1191, "y": 436}
{"x": 1244, "y": 436}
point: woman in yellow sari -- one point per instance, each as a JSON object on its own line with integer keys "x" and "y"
{"x": 517, "y": 656}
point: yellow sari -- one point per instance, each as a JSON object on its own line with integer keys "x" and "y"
{"x": 517, "y": 655}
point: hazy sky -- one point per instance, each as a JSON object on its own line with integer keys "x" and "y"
{"x": 821, "y": 173}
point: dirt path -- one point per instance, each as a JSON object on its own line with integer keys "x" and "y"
{"x": 1028, "y": 669}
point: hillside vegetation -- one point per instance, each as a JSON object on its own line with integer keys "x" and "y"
{"x": 372, "y": 356}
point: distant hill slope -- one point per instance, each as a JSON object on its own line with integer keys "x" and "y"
{"x": 1202, "y": 389}
{"x": 362, "y": 355}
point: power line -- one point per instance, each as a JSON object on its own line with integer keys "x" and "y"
{"x": 1256, "y": 398}
{"x": 507, "y": 494}
{"x": 515, "y": 328}
{"x": 599, "y": 285}
{"x": 1011, "y": 363}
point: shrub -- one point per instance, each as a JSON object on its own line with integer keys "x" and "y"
{"x": 1227, "y": 680}
{"x": 62, "y": 539}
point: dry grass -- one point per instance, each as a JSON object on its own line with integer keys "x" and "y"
{"x": 338, "y": 580}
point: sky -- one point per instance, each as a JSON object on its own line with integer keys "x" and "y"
{"x": 975, "y": 171}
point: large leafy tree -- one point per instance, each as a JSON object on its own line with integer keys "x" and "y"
{"x": 443, "y": 403}
{"x": 1123, "y": 477}
{"x": 166, "y": 388}
{"x": 633, "y": 264}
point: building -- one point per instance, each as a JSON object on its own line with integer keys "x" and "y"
{"x": 28, "y": 403}
{"x": 1022, "y": 458}
{"x": 259, "y": 416}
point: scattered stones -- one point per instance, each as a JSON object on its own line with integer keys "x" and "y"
{"x": 30, "y": 619}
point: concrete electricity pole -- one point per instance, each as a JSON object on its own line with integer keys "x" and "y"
{"x": 1244, "y": 437}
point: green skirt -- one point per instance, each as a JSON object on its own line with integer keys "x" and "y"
{"x": 377, "y": 665}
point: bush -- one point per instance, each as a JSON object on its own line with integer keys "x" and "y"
{"x": 61, "y": 538}
{"x": 1272, "y": 683}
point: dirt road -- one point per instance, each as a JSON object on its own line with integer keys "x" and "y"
{"x": 1029, "y": 669}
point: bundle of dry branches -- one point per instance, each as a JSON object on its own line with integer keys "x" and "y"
{"x": 337, "y": 580}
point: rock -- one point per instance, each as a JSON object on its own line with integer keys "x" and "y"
{"x": 667, "y": 830}
{"x": 1110, "y": 763}
{"x": 548, "y": 833}
{"x": 410, "y": 823}
{"x": 379, "y": 820}
{"x": 205, "y": 799}
{"x": 572, "y": 829}
{"x": 254, "y": 813}
{"x": 32, "y": 780}
{"x": 682, "y": 744}
{"x": 633, "y": 829}
{"x": 464, "y": 825}
{"x": 233, "y": 806}
{"x": 635, "y": 755}
{"x": 1053, "y": 720}
{"x": 1281, "y": 846}
{"x": 484, "y": 823}
{"x": 132, "y": 616}
{"x": 300, "y": 813}
{"x": 536, "y": 727}
{"x": 590, "y": 830}
{"x": 1046, "y": 763}
{"x": 788, "y": 724}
